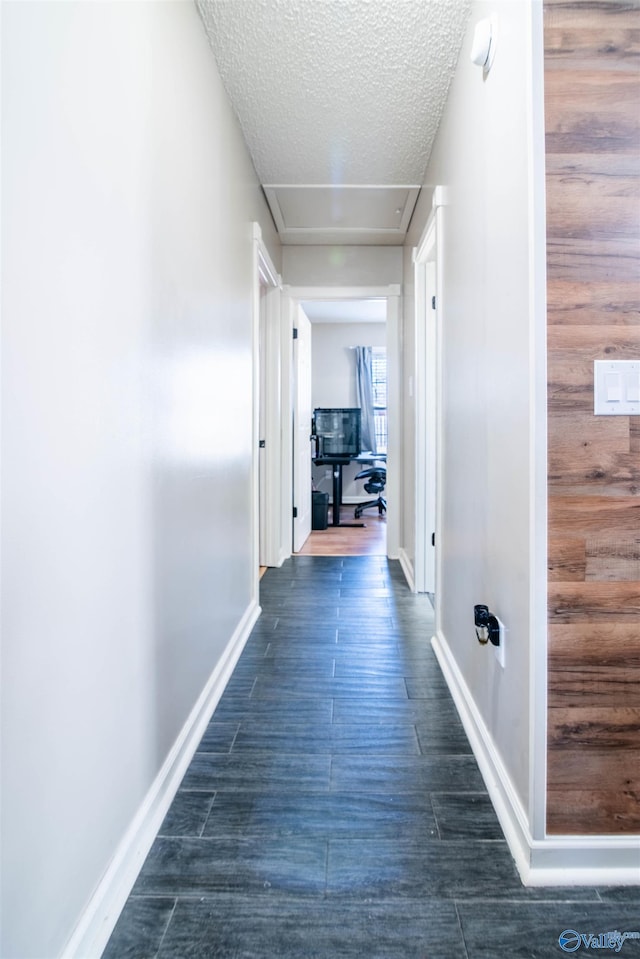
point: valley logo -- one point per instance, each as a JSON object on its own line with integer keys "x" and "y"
{"x": 570, "y": 940}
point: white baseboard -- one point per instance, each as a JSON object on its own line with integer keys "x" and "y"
{"x": 407, "y": 568}
{"x": 584, "y": 861}
{"x": 554, "y": 860}
{"x": 98, "y": 920}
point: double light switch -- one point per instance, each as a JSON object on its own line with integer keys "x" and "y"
{"x": 616, "y": 387}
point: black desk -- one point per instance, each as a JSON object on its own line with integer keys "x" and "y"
{"x": 336, "y": 463}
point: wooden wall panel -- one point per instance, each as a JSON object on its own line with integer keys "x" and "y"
{"x": 605, "y": 811}
{"x": 592, "y": 117}
{"x": 594, "y": 602}
{"x": 584, "y": 304}
{"x": 594, "y": 664}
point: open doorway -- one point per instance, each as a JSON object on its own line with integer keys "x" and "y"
{"x": 274, "y": 497}
{"x": 341, "y": 321}
{"x": 349, "y": 372}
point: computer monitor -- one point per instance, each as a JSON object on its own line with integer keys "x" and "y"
{"x": 337, "y": 432}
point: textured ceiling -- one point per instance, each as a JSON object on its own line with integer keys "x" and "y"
{"x": 339, "y": 94}
{"x": 337, "y": 91}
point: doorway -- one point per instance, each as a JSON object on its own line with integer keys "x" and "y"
{"x": 347, "y": 309}
{"x": 273, "y": 498}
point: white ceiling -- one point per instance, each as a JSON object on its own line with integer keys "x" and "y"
{"x": 334, "y": 96}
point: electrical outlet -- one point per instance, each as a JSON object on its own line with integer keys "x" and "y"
{"x": 499, "y": 650}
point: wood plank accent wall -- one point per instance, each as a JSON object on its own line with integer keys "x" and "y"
{"x": 592, "y": 115}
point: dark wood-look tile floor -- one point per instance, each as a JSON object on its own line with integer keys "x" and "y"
{"x": 334, "y": 808}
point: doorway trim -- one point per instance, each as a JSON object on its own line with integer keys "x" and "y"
{"x": 296, "y": 294}
{"x": 426, "y": 408}
{"x": 265, "y": 499}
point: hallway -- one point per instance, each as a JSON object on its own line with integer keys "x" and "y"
{"x": 334, "y": 808}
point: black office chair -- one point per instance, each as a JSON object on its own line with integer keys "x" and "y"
{"x": 376, "y": 477}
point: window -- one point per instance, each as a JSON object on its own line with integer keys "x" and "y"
{"x": 379, "y": 375}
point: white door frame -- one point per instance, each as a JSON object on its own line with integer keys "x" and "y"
{"x": 266, "y": 499}
{"x": 294, "y": 295}
{"x": 288, "y": 314}
{"x": 424, "y": 507}
{"x": 428, "y": 405}
{"x": 301, "y": 410}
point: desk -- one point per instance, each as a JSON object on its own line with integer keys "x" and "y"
{"x": 336, "y": 463}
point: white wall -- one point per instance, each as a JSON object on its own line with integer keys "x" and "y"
{"x": 128, "y": 198}
{"x": 482, "y": 159}
{"x": 341, "y": 265}
{"x": 333, "y": 383}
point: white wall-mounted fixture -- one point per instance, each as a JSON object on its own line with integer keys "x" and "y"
{"x": 483, "y": 47}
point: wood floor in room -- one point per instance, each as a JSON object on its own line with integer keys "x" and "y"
{"x": 367, "y": 540}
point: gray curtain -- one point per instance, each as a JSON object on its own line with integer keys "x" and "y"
{"x": 364, "y": 387}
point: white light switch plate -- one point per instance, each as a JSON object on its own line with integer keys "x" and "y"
{"x": 616, "y": 387}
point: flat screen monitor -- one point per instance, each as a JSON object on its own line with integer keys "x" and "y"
{"x": 337, "y": 432}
